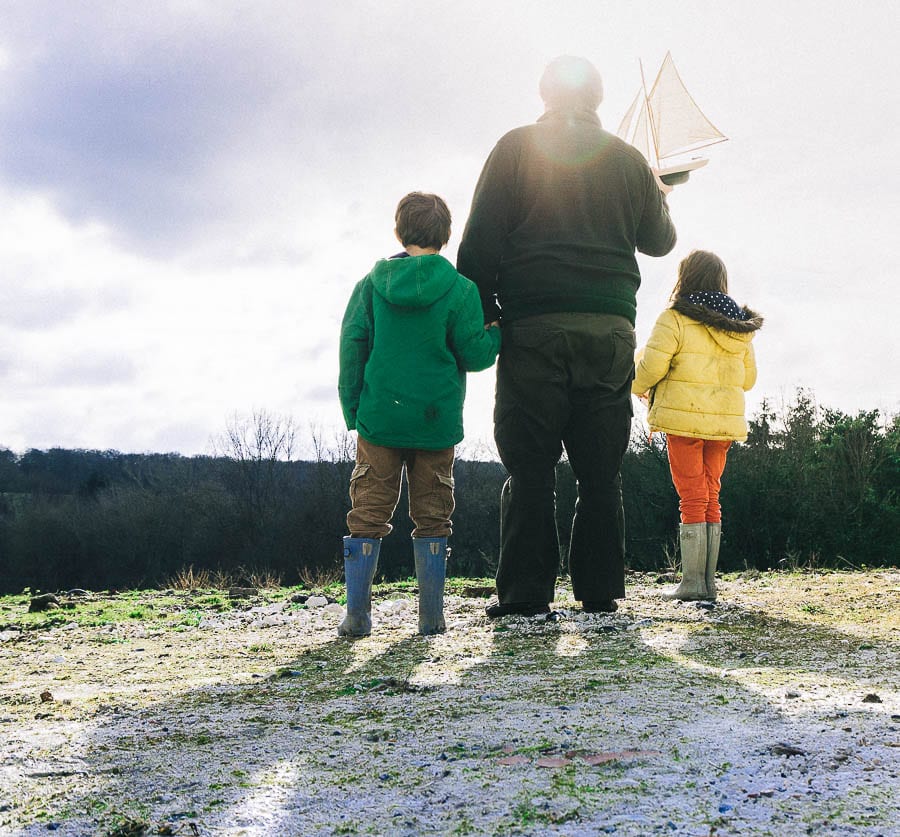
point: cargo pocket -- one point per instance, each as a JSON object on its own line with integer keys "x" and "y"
{"x": 444, "y": 485}
{"x": 356, "y": 478}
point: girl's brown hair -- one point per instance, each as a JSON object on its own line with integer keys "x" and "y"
{"x": 700, "y": 271}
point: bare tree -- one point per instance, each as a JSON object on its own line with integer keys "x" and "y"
{"x": 342, "y": 447}
{"x": 258, "y": 445}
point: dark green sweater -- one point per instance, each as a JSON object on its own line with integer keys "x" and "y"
{"x": 557, "y": 214}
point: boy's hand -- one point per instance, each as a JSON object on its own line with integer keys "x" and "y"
{"x": 491, "y": 325}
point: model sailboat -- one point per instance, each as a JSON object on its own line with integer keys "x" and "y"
{"x": 666, "y": 124}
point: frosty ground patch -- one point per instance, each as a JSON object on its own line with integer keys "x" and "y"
{"x": 775, "y": 712}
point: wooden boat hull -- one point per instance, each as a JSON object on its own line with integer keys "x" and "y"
{"x": 679, "y": 173}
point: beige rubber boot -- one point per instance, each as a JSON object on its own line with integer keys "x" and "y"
{"x": 693, "y": 564}
{"x": 713, "y": 536}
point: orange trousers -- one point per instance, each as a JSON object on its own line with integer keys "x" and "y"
{"x": 697, "y": 466}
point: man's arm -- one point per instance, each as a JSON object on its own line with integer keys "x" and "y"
{"x": 656, "y": 232}
{"x": 481, "y": 247}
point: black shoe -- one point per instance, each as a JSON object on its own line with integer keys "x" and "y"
{"x": 605, "y": 606}
{"x": 494, "y": 611}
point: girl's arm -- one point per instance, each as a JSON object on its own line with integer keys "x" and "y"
{"x": 654, "y": 363}
{"x": 749, "y": 368}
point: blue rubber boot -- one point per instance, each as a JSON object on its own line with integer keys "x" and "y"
{"x": 431, "y": 570}
{"x": 360, "y": 561}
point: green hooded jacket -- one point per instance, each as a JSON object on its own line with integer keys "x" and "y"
{"x": 412, "y": 329}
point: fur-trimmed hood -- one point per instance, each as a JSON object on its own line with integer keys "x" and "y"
{"x": 703, "y": 314}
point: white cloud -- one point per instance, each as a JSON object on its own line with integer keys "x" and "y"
{"x": 187, "y": 198}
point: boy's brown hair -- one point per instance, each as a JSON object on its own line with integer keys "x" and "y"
{"x": 700, "y": 271}
{"x": 424, "y": 220}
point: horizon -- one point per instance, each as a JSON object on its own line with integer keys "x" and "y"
{"x": 471, "y": 451}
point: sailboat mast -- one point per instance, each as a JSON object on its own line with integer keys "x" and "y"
{"x": 649, "y": 114}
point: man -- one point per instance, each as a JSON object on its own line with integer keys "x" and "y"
{"x": 558, "y": 212}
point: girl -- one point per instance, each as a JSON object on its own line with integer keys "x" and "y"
{"x": 694, "y": 371}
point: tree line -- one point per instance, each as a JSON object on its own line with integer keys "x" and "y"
{"x": 811, "y": 486}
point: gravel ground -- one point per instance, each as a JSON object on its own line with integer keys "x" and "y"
{"x": 775, "y": 712}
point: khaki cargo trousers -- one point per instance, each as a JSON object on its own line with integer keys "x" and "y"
{"x": 375, "y": 490}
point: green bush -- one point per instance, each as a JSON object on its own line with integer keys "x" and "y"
{"x": 811, "y": 487}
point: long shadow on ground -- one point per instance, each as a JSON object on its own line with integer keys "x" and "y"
{"x": 623, "y": 724}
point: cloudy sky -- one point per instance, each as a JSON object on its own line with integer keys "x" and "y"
{"x": 189, "y": 190}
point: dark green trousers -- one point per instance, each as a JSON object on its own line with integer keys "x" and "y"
{"x": 563, "y": 383}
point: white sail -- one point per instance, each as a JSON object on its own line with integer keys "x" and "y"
{"x": 666, "y": 121}
{"x": 678, "y": 124}
{"x": 635, "y": 127}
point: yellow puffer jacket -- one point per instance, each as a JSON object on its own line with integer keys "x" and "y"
{"x": 697, "y": 365}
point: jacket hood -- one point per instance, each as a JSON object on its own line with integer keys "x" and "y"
{"x": 413, "y": 281}
{"x": 702, "y": 314}
{"x": 729, "y": 333}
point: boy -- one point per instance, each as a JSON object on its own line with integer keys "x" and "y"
{"x": 411, "y": 331}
